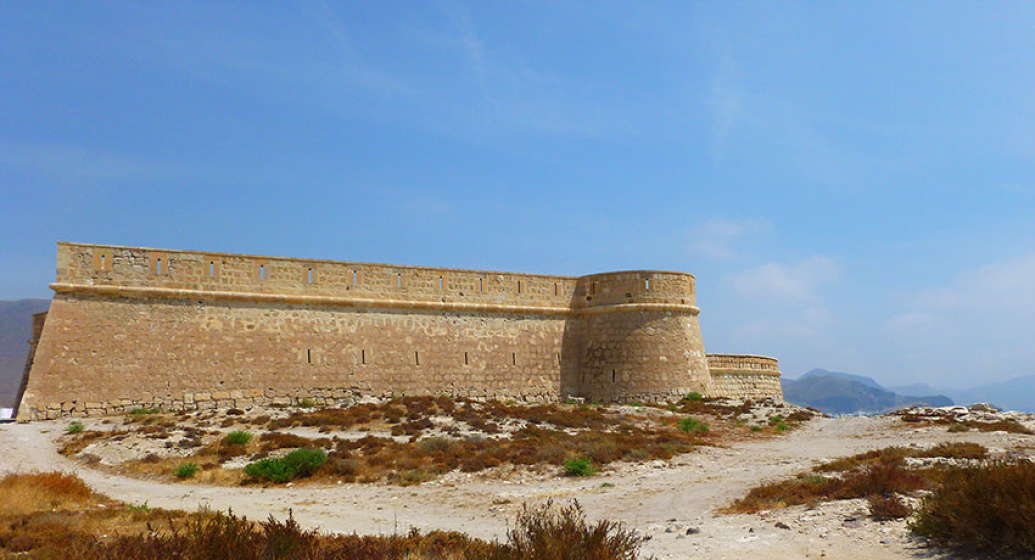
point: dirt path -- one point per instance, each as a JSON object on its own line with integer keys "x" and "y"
{"x": 660, "y": 500}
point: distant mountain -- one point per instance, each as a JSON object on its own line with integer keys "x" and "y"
{"x": 15, "y": 332}
{"x": 835, "y": 393}
{"x": 915, "y": 389}
{"x": 1014, "y": 394}
{"x": 869, "y": 382}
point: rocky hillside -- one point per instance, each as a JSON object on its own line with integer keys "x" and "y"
{"x": 840, "y": 393}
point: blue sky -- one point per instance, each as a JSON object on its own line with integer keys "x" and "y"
{"x": 852, "y": 184}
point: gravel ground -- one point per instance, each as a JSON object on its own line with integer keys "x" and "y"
{"x": 674, "y": 502}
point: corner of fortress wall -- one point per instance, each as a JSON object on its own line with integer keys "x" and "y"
{"x": 185, "y": 330}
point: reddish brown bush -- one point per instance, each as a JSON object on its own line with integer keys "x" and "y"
{"x": 989, "y": 508}
{"x": 888, "y": 506}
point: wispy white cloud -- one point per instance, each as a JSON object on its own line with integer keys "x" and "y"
{"x": 717, "y": 239}
{"x": 910, "y": 321}
{"x": 467, "y": 36}
{"x": 76, "y": 166}
{"x": 726, "y": 101}
{"x": 410, "y": 200}
{"x": 1004, "y": 286}
{"x": 796, "y": 282}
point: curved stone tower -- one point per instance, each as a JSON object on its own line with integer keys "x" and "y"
{"x": 641, "y": 340}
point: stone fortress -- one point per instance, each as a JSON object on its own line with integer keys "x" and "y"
{"x": 134, "y": 327}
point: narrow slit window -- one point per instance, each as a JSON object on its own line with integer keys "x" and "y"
{"x": 309, "y": 276}
{"x": 362, "y": 356}
{"x": 556, "y": 289}
{"x": 465, "y": 359}
{"x": 104, "y": 261}
{"x": 309, "y": 355}
{"x": 558, "y": 359}
{"x": 441, "y": 283}
{"x": 481, "y": 284}
{"x": 614, "y": 375}
{"x": 211, "y": 269}
{"x": 416, "y": 358}
{"x": 513, "y": 358}
{"x": 646, "y": 284}
{"x": 158, "y": 266}
{"x": 355, "y": 277}
{"x": 399, "y": 280}
{"x": 519, "y": 286}
{"x": 262, "y": 272}
{"x": 592, "y": 288}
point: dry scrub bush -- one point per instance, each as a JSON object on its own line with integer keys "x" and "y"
{"x": 26, "y": 493}
{"x": 954, "y": 450}
{"x": 876, "y": 479}
{"x": 550, "y": 533}
{"x": 986, "y": 508}
{"x": 888, "y": 506}
{"x": 543, "y": 533}
{"x": 1005, "y": 425}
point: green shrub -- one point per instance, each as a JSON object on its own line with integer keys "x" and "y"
{"x": 988, "y": 508}
{"x": 756, "y": 428}
{"x": 306, "y": 403}
{"x": 692, "y": 425}
{"x": 297, "y": 464}
{"x": 137, "y": 411}
{"x": 782, "y": 427}
{"x": 186, "y": 470}
{"x": 140, "y": 508}
{"x": 693, "y": 396}
{"x": 238, "y": 437}
{"x": 581, "y": 466}
{"x": 776, "y": 419}
{"x": 74, "y": 427}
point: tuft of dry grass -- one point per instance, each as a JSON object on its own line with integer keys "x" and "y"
{"x": 988, "y": 508}
{"x": 25, "y": 493}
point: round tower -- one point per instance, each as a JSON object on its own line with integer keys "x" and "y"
{"x": 639, "y": 337}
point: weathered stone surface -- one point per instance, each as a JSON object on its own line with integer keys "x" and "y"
{"x": 179, "y": 329}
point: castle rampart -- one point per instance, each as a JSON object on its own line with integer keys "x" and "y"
{"x": 182, "y": 329}
{"x": 742, "y": 376}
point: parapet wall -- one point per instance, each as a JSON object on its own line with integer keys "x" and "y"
{"x": 133, "y": 326}
{"x": 744, "y": 376}
{"x": 134, "y": 271}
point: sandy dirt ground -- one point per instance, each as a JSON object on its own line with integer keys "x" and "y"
{"x": 673, "y": 503}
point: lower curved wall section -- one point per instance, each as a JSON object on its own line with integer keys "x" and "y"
{"x": 744, "y": 376}
{"x": 642, "y": 356}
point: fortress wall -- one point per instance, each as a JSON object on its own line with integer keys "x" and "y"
{"x": 743, "y": 376}
{"x": 132, "y": 267}
{"x": 102, "y": 355}
{"x": 182, "y": 329}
